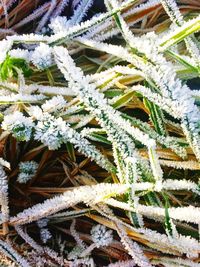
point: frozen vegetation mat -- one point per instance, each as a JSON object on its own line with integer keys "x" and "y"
{"x": 99, "y": 133}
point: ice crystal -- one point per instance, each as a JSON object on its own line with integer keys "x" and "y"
{"x": 53, "y": 132}
{"x": 59, "y": 24}
{"x": 9, "y": 251}
{"x": 56, "y": 103}
{"x": 12, "y": 98}
{"x": 75, "y": 253}
{"x": 87, "y": 194}
{"x": 42, "y": 57}
{"x": 20, "y": 126}
{"x": 4, "y": 194}
{"x": 20, "y": 53}
{"x": 81, "y": 11}
{"x": 50, "y": 131}
{"x": 27, "y": 170}
{"x": 101, "y": 236}
{"x": 5, "y": 45}
{"x": 42, "y": 223}
{"x": 45, "y": 235}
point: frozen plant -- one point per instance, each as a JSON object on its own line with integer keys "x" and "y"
{"x": 45, "y": 235}
{"x": 20, "y": 126}
{"x": 4, "y": 196}
{"x": 42, "y": 57}
{"x": 75, "y": 253}
{"x": 42, "y": 223}
{"x": 101, "y": 236}
{"x": 50, "y": 131}
{"x": 87, "y": 194}
{"x": 27, "y": 170}
{"x": 53, "y": 132}
{"x": 5, "y": 46}
{"x": 59, "y": 24}
{"x": 55, "y": 104}
{"x": 20, "y": 53}
{"x": 86, "y": 109}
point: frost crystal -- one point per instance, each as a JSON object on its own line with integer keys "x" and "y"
{"x": 56, "y": 103}
{"x": 53, "y": 132}
{"x": 45, "y": 235}
{"x": 4, "y": 194}
{"x": 59, "y": 24}
{"x": 36, "y": 112}
{"x": 19, "y": 125}
{"x": 42, "y": 223}
{"x": 75, "y": 253}
{"x": 50, "y": 131}
{"x": 20, "y": 53}
{"x": 41, "y": 56}
{"x": 27, "y": 171}
{"x": 5, "y": 45}
{"x": 87, "y": 194}
{"x": 101, "y": 236}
